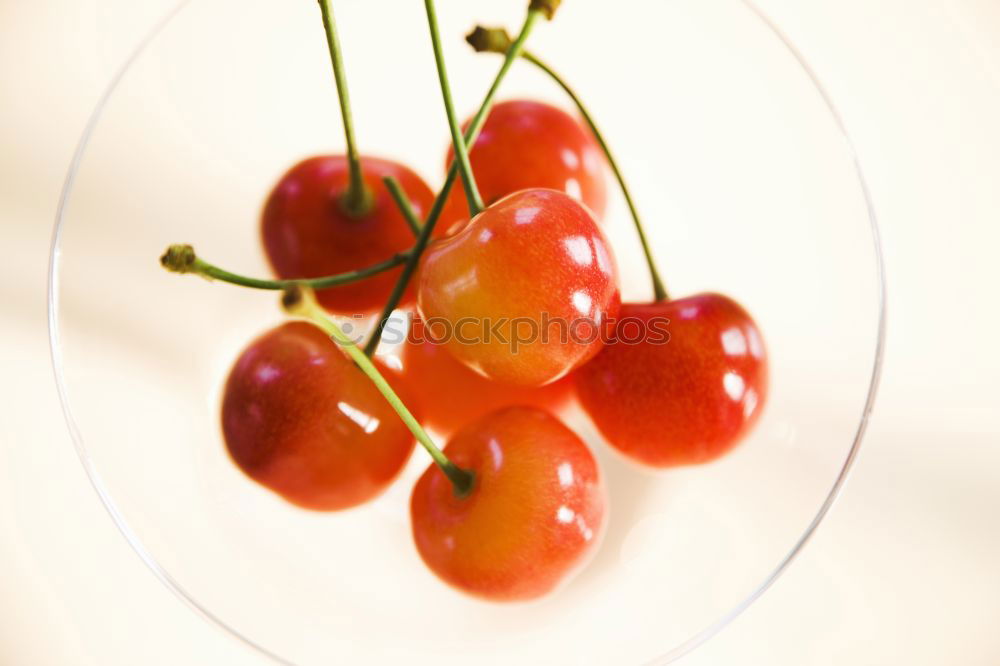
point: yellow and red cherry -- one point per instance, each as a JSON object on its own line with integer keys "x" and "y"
{"x": 680, "y": 398}
{"x": 522, "y": 293}
{"x": 452, "y": 395}
{"x": 526, "y": 144}
{"x": 533, "y": 514}
{"x": 308, "y": 231}
{"x": 301, "y": 419}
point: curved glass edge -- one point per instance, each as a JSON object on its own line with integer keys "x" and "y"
{"x": 876, "y": 370}
{"x": 55, "y": 351}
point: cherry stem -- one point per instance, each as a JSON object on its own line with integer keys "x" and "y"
{"x": 496, "y": 40}
{"x": 435, "y": 212}
{"x": 358, "y": 199}
{"x": 457, "y": 140}
{"x": 182, "y": 259}
{"x": 403, "y": 203}
{"x": 301, "y": 301}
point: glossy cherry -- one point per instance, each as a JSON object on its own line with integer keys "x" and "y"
{"x": 524, "y": 289}
{"x": 452, "y": 395}
{"x": 688, "y": 400}
{"x": 301, "y": 419}
{"x": 535, "y": 511}
{"x": 526, "y": 144}
{"x": 307, "y": 231}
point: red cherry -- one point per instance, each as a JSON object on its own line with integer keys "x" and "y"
{"x": 301, "y": 419}
{"x": 452, "y": 395}
{"x": 535, "y": 511}
{"x": 687, "y": 401}
{"x": 526, "y": 288}
{"x": 307, "y": 233}
{"x": 526, "y": 144}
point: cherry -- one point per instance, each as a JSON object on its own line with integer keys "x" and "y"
{"x": 452, "y": 395}
{"x": 334, "y": 214}
{"x": 308, "y": 233}
{"x": 684, "y": 402}
{"x": 531, "y": 144}
{"x": 301, "y": 419}
{"x": 534, "y": 512}
{"x": 526, "y": 288}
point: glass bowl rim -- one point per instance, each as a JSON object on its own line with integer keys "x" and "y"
{"x": 677, "y": 651}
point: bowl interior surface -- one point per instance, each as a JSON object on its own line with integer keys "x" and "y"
{"x": 747, "y": 187}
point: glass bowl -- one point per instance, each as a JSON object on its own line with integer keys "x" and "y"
{"x": 748, "y": 184}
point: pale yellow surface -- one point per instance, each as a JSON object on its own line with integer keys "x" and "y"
{"x": 905, "y": 571}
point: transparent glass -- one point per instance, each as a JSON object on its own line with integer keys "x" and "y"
{"x": 748, "y": 183}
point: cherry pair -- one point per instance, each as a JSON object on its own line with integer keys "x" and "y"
{"x": 302, "y": 419}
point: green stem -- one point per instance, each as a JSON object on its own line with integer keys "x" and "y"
{"x": 358, "y": 199}
{"x": 432, "y": 217}
{"x": 659, "y": 290}
{"x": 403, "y": 203}
{"x": 182, "y": 259}
{"x": 302, "y": 302}
{"x": 458, "y": 141}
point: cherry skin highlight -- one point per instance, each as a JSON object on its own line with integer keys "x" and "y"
{"x": 684, "y": 402}
{"x": 535, "y": 511}
{"x": 452, "y": 395}
{"x": 523, "y": 293}
{"x": 301, "y": 419}
{"x": 525, "y": 144}
{"x": 307, "y": 233}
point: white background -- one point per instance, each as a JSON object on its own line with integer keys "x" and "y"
{"x": 905, "y": 570}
